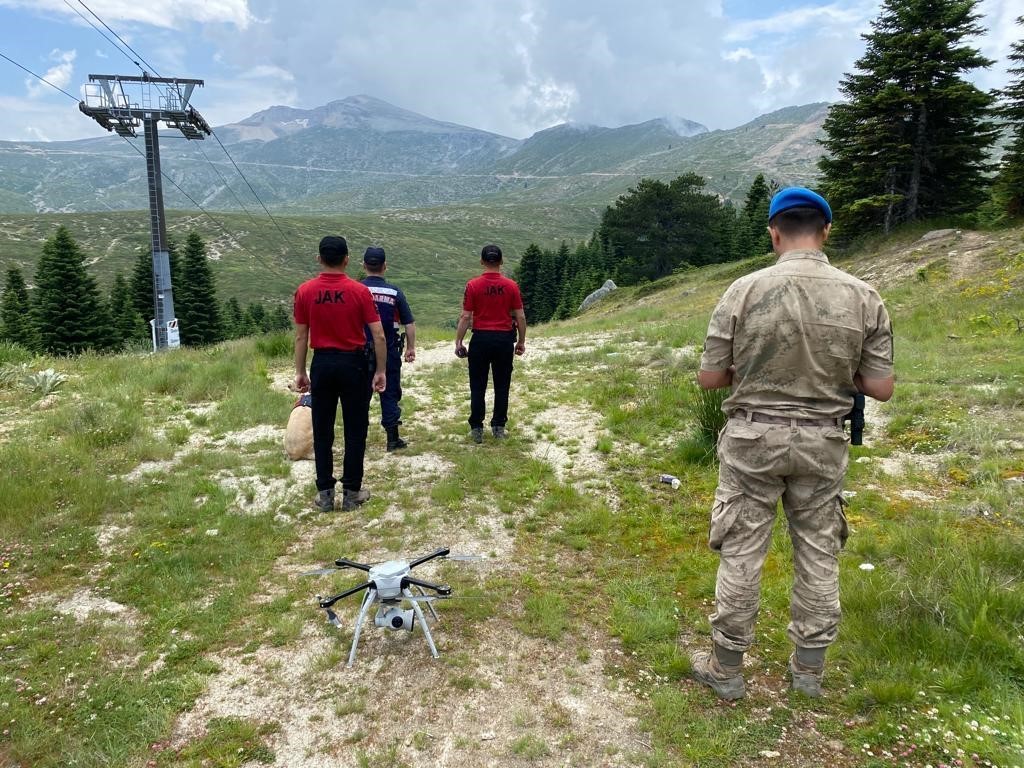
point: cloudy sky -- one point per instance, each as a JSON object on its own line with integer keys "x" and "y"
{"x": 508, "y": 66}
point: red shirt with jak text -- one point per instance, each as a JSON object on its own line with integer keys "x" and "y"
{"x": 337, "y": 309}
{"x": 491, "y": 298}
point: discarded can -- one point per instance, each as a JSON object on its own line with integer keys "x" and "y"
{"x": 670, "y": 480}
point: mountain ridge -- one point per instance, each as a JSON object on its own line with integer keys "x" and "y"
{"x": 361, "y": 154}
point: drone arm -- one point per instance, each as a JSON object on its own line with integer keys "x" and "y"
{"x": 342, "y": 562}
{"x": 329, "y": 601}
{"x": 442, "y": 589}
{"x": 421, "y": 560}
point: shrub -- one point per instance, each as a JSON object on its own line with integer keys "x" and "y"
{"x": 43, "y": 383}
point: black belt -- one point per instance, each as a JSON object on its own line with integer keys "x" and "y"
{"x": 770, "y": 418}
{"x": 335, "y": 351}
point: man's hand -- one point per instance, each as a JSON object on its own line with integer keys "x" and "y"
{"x": 410, "y": 355}
{"x": 379, "y": 381}
{"x": 460, "y": 349}
{"x": 301, "y": 382}
{"x": 520, "y": 348}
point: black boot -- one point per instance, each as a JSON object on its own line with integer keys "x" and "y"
{"x": 394, "y": 441}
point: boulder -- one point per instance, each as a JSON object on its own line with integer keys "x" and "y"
{"x": 599, "y": 294}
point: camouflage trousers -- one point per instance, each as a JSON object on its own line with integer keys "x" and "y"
{"x": 758, "y": 465}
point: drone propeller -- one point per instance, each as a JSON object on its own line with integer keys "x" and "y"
{"x": 332, "y": 617}
{"x": 320, "y": 572}
{"x": 342, "y": 564}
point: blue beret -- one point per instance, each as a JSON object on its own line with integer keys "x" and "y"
{"x": 374, "y": 256}
{"x": 798, "y": 197}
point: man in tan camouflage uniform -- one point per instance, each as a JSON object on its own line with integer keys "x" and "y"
{"x": 795, "y": 341}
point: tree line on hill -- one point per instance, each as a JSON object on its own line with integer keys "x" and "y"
{"x": 65, "y": 312}
{"x": 653, "y": 230}
{"x": 913, "y": 140}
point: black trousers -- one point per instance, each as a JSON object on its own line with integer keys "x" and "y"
{"x": 339, "y": 376}
{"x": 490, "y": 351}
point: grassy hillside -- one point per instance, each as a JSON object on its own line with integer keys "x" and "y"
{"x": 154, "y": 536}
{"x": 431, "y": 252}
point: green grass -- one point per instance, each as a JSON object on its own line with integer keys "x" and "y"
{"x": 605, "y": 558}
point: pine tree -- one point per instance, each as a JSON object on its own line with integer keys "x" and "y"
{"x": 657, "y": 227}
{"x": 279, "y": 319}
{"x": 528, "y": 275}
{"x": 126, "y": 323}
{"x": 548, "y": 286}
{"x": 142, "y": 279}
{"x": 234, "y": 319}
{"x": 70, "y": 315}
{"x": 911, "y": 139}
{"x": 195, "y": 300}
{"x": 16, "y": 323}
{"x": 750, "y": 230}
{"x": 1009, "y": 185}
{"x": 256, "y": 319}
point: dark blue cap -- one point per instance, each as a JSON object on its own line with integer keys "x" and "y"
{"x": 798, "y": 197}
{"x": 374, "y": 256}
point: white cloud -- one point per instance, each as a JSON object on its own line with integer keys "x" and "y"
{"x": 172, "y": 15}
{"x": 59, "y": 74}
{"x": 512, "y": 67}
{"x": 739, "y": 54}
{"x": 797, "y": 20}
{"x": 267, "y": 71}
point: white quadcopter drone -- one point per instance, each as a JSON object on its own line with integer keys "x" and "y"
{"x": 390, "y": 585}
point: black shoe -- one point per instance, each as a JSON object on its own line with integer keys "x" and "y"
{"x": 477, "y": 433}
{"x": 353, "y": 499}
{"x": 394, "y": 441}
{"x": 324, "y": 501}
{"x": 499, "y": 432}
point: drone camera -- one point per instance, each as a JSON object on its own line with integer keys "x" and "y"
{"x": 395, "y": 619}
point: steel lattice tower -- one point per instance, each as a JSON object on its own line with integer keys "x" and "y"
{"x": 109, "y": 105}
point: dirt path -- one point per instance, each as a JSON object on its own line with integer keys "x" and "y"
{"x": 496, "y": 696}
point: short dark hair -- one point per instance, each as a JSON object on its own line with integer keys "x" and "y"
{"x": 491, "y": 253}
{"x": 333, "y": 250}
{"x": 799, "y": 222}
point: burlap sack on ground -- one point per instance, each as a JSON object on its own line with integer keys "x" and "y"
{"x": 298, "y": 436}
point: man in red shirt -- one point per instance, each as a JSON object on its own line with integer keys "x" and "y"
{"x": 332, "y": 312}
{"x": 493, "y": 306}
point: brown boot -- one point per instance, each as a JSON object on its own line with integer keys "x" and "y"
{"x": 725, "y": 680}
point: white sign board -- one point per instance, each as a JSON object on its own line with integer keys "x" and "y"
{"x": 173, "y": 339}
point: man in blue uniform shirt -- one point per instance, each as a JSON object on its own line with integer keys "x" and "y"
{"x": 394, "y": 313}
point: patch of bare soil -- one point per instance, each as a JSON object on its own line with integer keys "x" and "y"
{"x": 961, "y": 250}
{"x": 570, "y": 449}
{"x": 901, "y": 462}
{"x": 85, "y": 604}
{"x": 107, "y": 537}
{"x": 201, "y": 439}
{"x": 510, "y": 695}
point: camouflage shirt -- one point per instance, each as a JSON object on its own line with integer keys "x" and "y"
{"x": 797, "y": 333}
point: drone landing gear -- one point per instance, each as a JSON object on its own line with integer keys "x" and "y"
{"x": 372, "y": 597}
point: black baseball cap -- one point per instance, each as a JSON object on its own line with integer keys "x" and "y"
{"x": 491, "y": 253}
{"x": 334, "y": 245}
{"x": 374, "y": 256}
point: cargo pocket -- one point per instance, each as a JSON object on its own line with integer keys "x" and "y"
{"x": 723, "y": 516}
{"x": 844, "y": 526}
